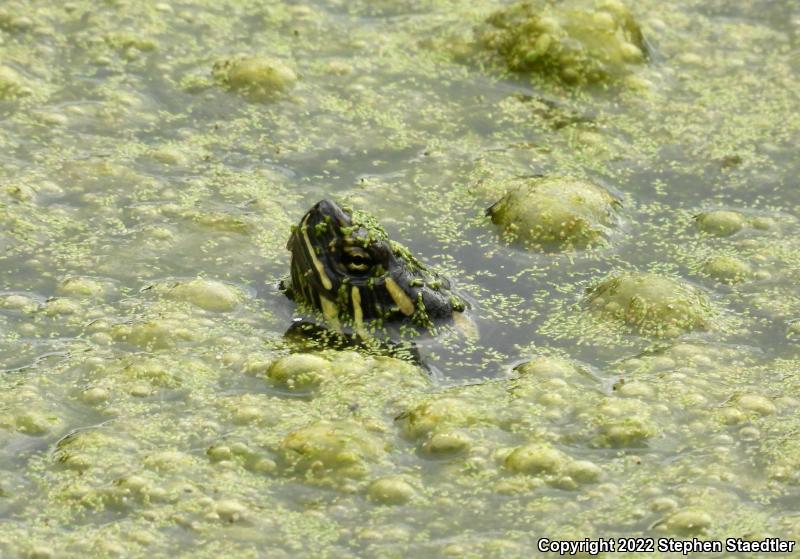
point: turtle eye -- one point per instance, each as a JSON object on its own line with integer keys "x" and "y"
{"x": 356, "y": 259}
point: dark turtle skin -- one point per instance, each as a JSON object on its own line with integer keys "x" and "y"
{"x": 345, "y": 266}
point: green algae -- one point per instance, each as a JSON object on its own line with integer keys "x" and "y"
{"x": 721, "y": 223}
{"x": 654, "y": 304}
{"x": 328, "y": 451}
{"x": 299, "y": 371}
{"x": 558, "y": 213}
{"x": 11, "y": 84}
{"x": 391, "y": 490}
{"x": 576, "y": 42}
{"x": 259, "y": 78}
{"x": 206, "y": 294}
{"x": 142, "y": 423}
{"x": 534, "y": 459}
{"x": 728, "y": 269}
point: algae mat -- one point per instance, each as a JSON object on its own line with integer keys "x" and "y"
{"x": 639, "y": 379}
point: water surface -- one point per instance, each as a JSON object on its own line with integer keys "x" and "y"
{"x": 139, "y": 420}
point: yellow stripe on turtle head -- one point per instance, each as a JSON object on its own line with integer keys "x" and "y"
{"x": 331, "y": 312}
{"x": 403, "y": 301}
{"x": 358, "y": 313}
{"x": 326, "y": 281}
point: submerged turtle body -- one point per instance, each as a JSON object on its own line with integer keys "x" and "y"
{"x": 345, "y": 265}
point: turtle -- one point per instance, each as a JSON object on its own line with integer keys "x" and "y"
{"x": 344, "y": 265}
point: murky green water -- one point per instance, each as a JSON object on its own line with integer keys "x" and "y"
{"x": 142, "y": 412}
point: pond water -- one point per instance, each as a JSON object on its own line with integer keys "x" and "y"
{"x": 154, "y": 156}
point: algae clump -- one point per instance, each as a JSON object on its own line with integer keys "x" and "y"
{"x": 391, "y": 490}
{"x": 575, "y": 41}
{"x": 206, "y": 294}
{"x": 81, "y": 287}
{"x": 721, "y": 223}
{"x": 257, "y": 77}
{"x": 727, "y": 269}
{"x": 11, "y": 83}
{"x": 435, "y": 415}
{"x": 300, "y": 370}
{"x": 689, "y": 522}
{"x": 342, "y": 448}
{"x": 657, "y": 305}
{"x": 555, "y": 213}
{"x": 535, "y": 459}
{"x": 542, "y": 367}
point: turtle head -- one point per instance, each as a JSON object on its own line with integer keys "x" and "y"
{"x": 344, "y": 264}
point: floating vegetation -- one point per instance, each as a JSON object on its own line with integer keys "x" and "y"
{"x": 577, "y": 41}
{"x": 555, "y": 213}
{"x": 633, "y": 364}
